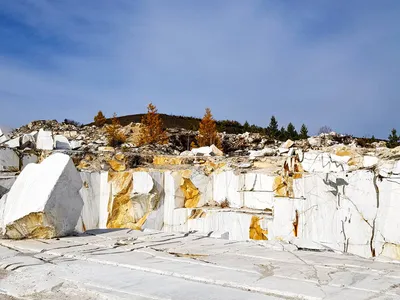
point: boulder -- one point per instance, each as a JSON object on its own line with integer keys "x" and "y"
{"x": 284, "y": 148}
{"x": 44, "y": 201}
{"x": 29, "y": 140}
{"x": 75, "y": 144}
{"x": 44, "y": 140}
{"x": 3, "y": 137}
{"x": 61, "y": 142}
{"x": 207, "y": 151}
{"x": 263, "y": 152}
{"x": 9, "y": 160}
{"x": 14, "y": 143}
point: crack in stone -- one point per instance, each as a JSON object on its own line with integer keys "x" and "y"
{"x": 375, "y": 179}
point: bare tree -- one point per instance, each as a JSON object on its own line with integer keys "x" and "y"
{"x": 325, "y": 129}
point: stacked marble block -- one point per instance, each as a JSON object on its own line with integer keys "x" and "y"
{"x": 244, "y": 198}
{"x": 13, "y": 161}
{"x": 247, "y": 196}
{"x": 352, "y": 211}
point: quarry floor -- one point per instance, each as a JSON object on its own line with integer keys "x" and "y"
{"x": 128, "y": 264}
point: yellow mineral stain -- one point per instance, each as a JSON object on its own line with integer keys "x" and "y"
{"x": 119, "y": 156}
{"x": 210, "y": 166}
{"x": 298, "y": 169}
{"x": 197, "y": 213}
{"x": 391, "y": 250}
{"x": 121, "y": 209}
{"x": 190, "y": 192}
{"x": 296, "y": 224}
{"x": 168, "y": 160}
{"x": 116, "y": 165}
{"x": 32, "y": 226}
{"x": 185, "y": 173}
{"x": 283, "y": 186}
{"x": 343, "y": 152}
{"x": 142, "y": 220}
{"x": 255, "y": 230}
{"x": 83, "y": 164}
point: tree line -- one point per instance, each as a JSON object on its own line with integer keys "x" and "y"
{"x": 153, "y": 130}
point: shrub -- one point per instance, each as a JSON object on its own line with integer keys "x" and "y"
{"x": 72, "y": 122}
{"x": 100, "y": 119}
{"x": 115, "y": 136}
{"x": 325, "y": 129}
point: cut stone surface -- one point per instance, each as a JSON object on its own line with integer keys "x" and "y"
{"x": 131, "y": 264}
{"x": 6, "y": 182}
{"x": 44, "y": 140}
{"x": 3, "y": 137}
{"x": 9, "y": 160}
{"x": 28, "y": 159}
{"x": 207, "y": 151}
{"x": 29, "y": 140}
{"x": 61, "y": 142}
{"x": 44, "y": 201}
{"x": 14, "y": 143}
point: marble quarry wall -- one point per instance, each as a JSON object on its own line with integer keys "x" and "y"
{"x": 347, "y": 211}
{"x": 344, "y": 203}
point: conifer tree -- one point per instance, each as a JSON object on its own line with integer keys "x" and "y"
{"x": 100, "y": 119}
{"x": 393, "y": 139}
{"x": 282, "y": 134}
{"x": 291, "y": 132}
{"x": 246, "y": 127}
{"x": 207, "y": 131}
{"x": 152, "y": 131}
{"x": 272, "y": 129}
{"x": 115, "y": 136}
{"x": 303, "y": 132}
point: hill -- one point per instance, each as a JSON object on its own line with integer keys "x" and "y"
{"x": 191, "y": 123}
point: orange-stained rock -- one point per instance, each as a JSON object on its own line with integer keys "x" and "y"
{"x": 190, "y": 192}
{"x": 283, "y": 186}
{"x": 255, "y": 230}
{"x": 344, "y": 151}
{"x": 168, "y": 160}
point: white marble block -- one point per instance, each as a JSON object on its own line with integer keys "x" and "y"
{"x": 44, "y": 201}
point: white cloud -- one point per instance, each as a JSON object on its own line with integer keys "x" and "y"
{"x": 246, "y": 60}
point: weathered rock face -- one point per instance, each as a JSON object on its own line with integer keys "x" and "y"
{"x": 44, "y": 202}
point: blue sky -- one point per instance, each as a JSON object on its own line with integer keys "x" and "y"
{"x": 334, "y": 63}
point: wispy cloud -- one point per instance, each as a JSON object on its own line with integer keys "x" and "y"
{"x": 330, "y": 63}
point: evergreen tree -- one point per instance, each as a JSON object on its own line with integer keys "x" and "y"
{"x": 152, "y": 131}
{"x": 303, "y": 132}
{"x": 99, "y": 119}
{"x": 246, "y": 127}
{"x": 272, "y": 129}
{"x": 208, "y": 131}
{"x": 282, "y": 134}
{"x": 393, "y": 139}
{"x": 291, "y": 132}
